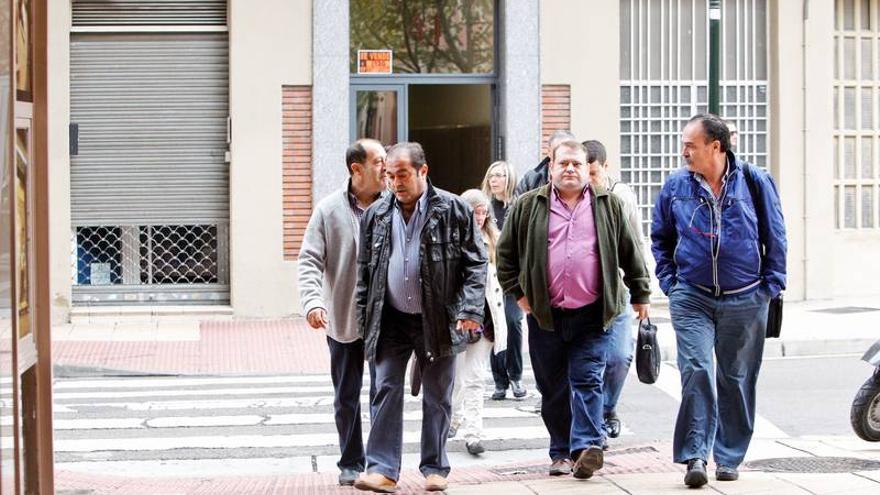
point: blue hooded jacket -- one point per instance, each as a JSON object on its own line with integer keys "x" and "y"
{"x": 690, "y": 244}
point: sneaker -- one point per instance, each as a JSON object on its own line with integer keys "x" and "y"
{"x": 348, "y": 476}
{"x": 726, "y": 473}
{"x": 475, "y": 448}
{"x": 435, "y": 483}
{"x": 499, "y": 394}
{"x": 589, "y": 461}
{"x": 612, "y": 424}
{"x": 560, "y": 467}
{"x": 696, "y": 473}
{"x": 375, "y": 482}
{"x": 453, "y": 430}
{"x": 519, "y": 390}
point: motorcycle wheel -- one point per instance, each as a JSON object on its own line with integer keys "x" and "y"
{"x": 865, "y": 413}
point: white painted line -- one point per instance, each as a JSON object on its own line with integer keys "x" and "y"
{"x": 271, "y": 466}
{"x": 669, "y": 382}
{"x": 98, "y": 424}
{"x": 191, "y": 393}
{"x": 197, "y": 421}
{"x": 327, "y": 418}
{"x": 245, "y": 403}
{"x": 175, "y": 382}
{"x": 261, "y": 441}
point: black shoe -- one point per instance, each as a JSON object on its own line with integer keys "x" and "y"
{"x": 612, "y": 424}
{"x": 475, "y": 448}
{"x": 519, "y": 390}
{"x": 453, "y": 430}
{"x": 499, "y": 394}
{"x": 348, "y": 476}
{"x": 696, "y": 473}
{"x": 589, "y": 461}
{"x": 560, "y": 467}
{"x": 726, "y": 473}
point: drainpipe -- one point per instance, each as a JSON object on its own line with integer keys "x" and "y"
{"x": 714, "y": 56}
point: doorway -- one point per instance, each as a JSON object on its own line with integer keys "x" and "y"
{"x": 453, "y": 122}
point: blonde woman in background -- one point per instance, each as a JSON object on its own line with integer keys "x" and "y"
{"x": 507, "y": 367}
{"x": 470, "y": 365}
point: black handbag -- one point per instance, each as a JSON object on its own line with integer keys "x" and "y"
{"x": 774, "y": 317}
{"x": 647, "y": 352}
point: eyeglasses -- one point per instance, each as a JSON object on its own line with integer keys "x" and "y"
{"x": 497, "y": 174}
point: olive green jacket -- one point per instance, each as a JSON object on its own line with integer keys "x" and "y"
{"x": 522, "y": 254}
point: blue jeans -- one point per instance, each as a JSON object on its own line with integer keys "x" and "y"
{"x": 401, "y": 335}
{"x": 621, "y": 348}
{"x": 568, "y": 364}
{"x": 733, "y": 328}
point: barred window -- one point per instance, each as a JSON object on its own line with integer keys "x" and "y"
{"x": 856, "y": 98}
{"x": 664, "y": 81}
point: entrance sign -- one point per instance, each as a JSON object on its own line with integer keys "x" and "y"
{"x": 375, "y": 61}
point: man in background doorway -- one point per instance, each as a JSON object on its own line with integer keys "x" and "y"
{"x": 540, "y": 175}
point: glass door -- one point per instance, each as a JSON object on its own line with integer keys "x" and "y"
{"x": 378, "y": 112}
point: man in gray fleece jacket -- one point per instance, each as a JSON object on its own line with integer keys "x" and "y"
{"x": 327, "y": 282}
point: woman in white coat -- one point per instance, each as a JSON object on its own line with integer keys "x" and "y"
{"x": 472, "y": 364}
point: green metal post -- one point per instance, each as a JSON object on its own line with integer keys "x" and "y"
{"x": 714, "y": 56}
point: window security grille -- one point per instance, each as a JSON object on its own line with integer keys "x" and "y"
{"x": 664, "y": 81}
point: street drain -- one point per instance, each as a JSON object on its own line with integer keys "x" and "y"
{"x": 813, "y": 465}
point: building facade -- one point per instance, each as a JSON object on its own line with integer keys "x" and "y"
{"x": 188, "y": 141}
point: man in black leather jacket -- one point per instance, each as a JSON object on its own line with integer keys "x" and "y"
{"x": 422, "y": 269}
{"x": 540, "y": 175}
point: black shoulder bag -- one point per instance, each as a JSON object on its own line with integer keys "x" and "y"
{"x": 647, "y": 352}
{"x": 774, "y": 312}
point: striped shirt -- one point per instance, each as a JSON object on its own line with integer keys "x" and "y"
{"x": 404, "y": 288}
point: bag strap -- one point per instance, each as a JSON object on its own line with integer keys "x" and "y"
{"x": 757, "y": 201}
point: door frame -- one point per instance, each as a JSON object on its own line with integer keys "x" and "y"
{"x": 401, "y": 84}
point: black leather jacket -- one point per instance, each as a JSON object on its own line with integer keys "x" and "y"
{"x": 534, "y": 178}
{"x": 453, "y": 271}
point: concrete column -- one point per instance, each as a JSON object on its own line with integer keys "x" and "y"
{"x": 520, "y": 82}
{"x": 801, "y": 146}
{"x": 330, "y": 86}
{"x": 60, "y": 234}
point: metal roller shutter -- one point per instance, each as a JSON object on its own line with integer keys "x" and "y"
{"x": 149, "y": 177}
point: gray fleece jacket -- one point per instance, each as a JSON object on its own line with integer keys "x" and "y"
{"x": 327, "y": 268}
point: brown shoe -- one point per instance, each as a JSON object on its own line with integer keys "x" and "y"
{"x": 589, "y": 461}
{"x": 436, "y": 483}
{"x": 560, "y": 467}
{"x": 375, "y": 482}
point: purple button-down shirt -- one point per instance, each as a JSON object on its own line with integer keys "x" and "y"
{"x": 573, "y": 253}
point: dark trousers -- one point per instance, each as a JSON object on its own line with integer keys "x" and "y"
{"x": 508, "y": 365}
{"x": 347, "y": 373}
{"x": 569, "y": 363}
{"x": 400, "y": 336}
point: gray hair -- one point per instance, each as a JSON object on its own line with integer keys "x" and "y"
{"x": 559, "y": 135}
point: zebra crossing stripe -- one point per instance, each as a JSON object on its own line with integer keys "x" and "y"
{"x": 246, "y": 420}
{"x": 258, "y": 441}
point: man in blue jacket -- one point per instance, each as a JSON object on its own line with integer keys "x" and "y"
{"x": 720, "y": 264}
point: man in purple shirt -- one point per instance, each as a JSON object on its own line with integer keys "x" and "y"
{"x": 559, "y": 255}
